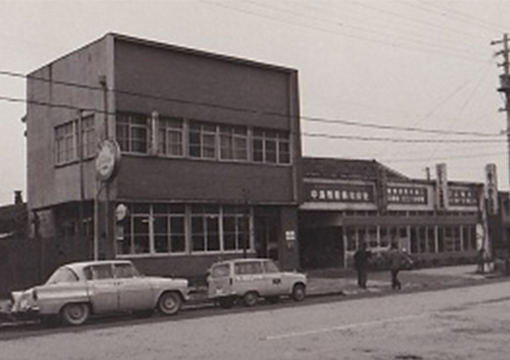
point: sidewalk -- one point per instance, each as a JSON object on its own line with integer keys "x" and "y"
{"x": 344, "y": 282}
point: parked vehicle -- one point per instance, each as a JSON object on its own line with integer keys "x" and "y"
{"x": 78, "y": 290}
{"x": 249, "y": 279}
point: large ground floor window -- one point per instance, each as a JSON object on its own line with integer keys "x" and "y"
{"x": 183, "y": 229}
{"x": 415, "y": 239}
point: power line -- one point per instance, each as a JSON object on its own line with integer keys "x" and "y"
{"x": 380, "y": 23}
{"x": 400, "y": 128}
{"x": 314, "y": 135}
{"x": 465, "y": 17}
{"x": 414, "y": 20}
{"x": 398, "y": 140}
{"x": 472, "y": 156}
{"x": 305, "y": 118}
{"x": 451, "y": 53}
{"x": 342, "y": 25}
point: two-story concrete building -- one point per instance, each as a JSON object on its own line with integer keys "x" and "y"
{"x": 209, "y": 160}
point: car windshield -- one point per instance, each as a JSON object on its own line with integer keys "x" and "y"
{"x": 270, "y": 267}
{"x": 62, "y": 275}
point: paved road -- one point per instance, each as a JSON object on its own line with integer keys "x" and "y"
{"x": 461, "y": 323}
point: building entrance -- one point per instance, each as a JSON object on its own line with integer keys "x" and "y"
{"x": 321, "y": 247}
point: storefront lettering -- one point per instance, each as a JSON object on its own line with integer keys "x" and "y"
{"x": 340, "y": 193}
{"x": 407, "y": 195}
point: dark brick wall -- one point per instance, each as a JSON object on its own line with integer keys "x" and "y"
{"x": 146, "y": 178}
{"x": 198, "y": 78}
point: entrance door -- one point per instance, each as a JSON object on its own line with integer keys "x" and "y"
{"x": 321, "y": 247}
{"x": 266, "y": 237}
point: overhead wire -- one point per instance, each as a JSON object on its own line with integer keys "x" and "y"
{"x": 464, "y": 17}
{"x": 449, "y": 53}
{"x": 327, "y": 136}
{"x": 345, "y": 25}
{"x": 223, "y": 107}
{"x": 412, "y": 19}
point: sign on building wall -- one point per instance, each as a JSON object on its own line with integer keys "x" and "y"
{"x": 381, "y": 186}
{"x": 441, "y": 187}
{"x": 407, "y": 195}
{"x": 462, "y": 197}
{"x": 339, "y": 193}
{"x": 491, "y": 184}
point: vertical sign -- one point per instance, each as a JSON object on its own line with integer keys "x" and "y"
{"x": 382, "y": 192}
{"x": 153, "y": 136}
{"x": 491, "y": 183}
{"x": 441, "y": 187}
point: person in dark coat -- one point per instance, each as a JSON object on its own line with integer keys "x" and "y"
{"x": 397, "y": 261}
{"x": 361, "y": 262}
{"x": 481, "y": 261}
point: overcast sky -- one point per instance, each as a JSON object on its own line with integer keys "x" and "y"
{"x": 394, "y": 81}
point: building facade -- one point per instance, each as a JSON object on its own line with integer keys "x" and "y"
{"x": 199, "y": 157}
{"x": 346, "y": 202}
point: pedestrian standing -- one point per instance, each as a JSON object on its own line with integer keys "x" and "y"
{"x": 361, "y": 262}
{"x": 396, "y": 261}
{"x": 481, "y": 261}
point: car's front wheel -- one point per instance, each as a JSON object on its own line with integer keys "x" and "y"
{"x": 250, "y": 298}
{"x": 75, "y": 313}
{"x": 298, "y": 292}
{"x": 169, "y": 303}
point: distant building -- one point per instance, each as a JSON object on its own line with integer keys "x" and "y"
{"x": 210, "y": 156}
{"x": 13, "y": 219}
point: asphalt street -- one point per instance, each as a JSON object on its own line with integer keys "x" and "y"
{"x": 458, "y": 323}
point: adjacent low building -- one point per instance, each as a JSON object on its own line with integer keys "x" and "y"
{"x": 346, "y": 202}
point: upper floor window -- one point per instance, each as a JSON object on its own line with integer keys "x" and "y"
{"x": 67, "y": 140}
{"x": 177, "y": 137}
{"x": 272, "y": 147}
{"x": 133, "y": 133}
{"x": 202, "y": 140}
{"x": 233, "y": 143}
{"x": 170, "y": 136}
{"x": 65, "y": 147}
{"x": 89, "y": 140}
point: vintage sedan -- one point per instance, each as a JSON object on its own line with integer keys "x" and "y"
{"x": 78, "y": 290}
{"x": 248, "y": 279}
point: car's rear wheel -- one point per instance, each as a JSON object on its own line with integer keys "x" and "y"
{"x": 250, "y": 298}
{"x": 298, "y": 292}
{"x": 75, "y": 313}
{"x": 169, "y": 303}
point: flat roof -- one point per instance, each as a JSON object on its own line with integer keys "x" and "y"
{"x": 171, "y": 47}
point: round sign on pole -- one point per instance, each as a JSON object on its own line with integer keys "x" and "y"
{"x": 107, "y": 160}
{"x": 121, "y": 212}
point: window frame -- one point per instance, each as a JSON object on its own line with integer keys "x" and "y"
{"x": 166, "y": 133}
{"x": 127, "y": 140}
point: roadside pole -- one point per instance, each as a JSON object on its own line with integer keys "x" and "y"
{"x": 505, "y": 89}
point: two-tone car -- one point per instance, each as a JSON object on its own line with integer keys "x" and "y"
{"x": 250, "y": 279}
{"x": 78, "y": 290}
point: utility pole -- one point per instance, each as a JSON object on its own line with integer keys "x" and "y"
{"x": 82, "y": 242}
{"x": 505, "y": 89}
